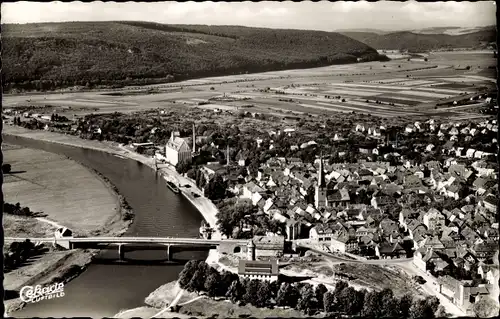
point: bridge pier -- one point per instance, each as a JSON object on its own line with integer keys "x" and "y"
{"x": 168, "y": 252}
{"x": 121, "y": 252}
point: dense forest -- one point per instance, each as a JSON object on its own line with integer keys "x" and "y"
{"x": 416, "y": 42}
{"x": 47, "y": 56}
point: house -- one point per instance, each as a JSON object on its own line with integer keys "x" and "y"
{"x": 241, "y": 158}
{"x": 390, "y": 250}
{"x": 416, "y": 230}
{"x": 261, "y": 270}
{"x": 389, "y": 227}
{"x": 382, "y": 201}
{"x": 325, "y": 232}
{"x": 485, "y": 251}
{"x": 481, "y": 185}
{"x": 343, "y": 243}
{"x": 427, "y": 258}
{"x": 434, "y": 220}
{"x": 177, "y": 150}
{"x": 360, "y": 128}
{"x": 339, "y": 198}
{"x": 269, "y": 246}
{"x": 251, "y": 188}
{"x": 470, "y": 153}
{"x": 63, "y": 232}
{"x": 490, "y": 203}
{"x": 462, "y": 293}
{"x": 293, "y": 229}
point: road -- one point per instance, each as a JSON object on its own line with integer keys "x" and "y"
{"x": 134, "y": 240}
{"x": 430, "y": 288}
{"x": 406, "y": 264}
{"x": 359, "y": 260}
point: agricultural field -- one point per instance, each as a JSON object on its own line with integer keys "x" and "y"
{"x": 385, "y": 89}
{"x": 65, "y": 191}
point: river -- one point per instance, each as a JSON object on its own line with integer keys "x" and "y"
{"x": 108, "y": 286}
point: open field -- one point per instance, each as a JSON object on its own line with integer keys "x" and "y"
{"x": 407, "y": 84}
{"x": 61, "y": 188}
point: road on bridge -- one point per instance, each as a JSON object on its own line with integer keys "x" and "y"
{"x": 355, "y": 261}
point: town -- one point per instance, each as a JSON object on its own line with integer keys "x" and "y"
{"x": 356, "y": 186}
{"x": 250, "y": 160}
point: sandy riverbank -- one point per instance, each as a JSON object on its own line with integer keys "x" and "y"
{"x": 33, "y": 185}
{"x": 203, "y": 205}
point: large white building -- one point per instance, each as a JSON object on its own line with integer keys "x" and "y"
{"x": 177, "y": 149}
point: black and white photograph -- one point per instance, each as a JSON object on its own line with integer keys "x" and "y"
{"x": 328, "y": 159}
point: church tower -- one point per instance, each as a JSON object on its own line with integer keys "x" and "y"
{"x": 194, "y": 139}
{"x": 320, "y": 193}
{"x": 250, "y": 250}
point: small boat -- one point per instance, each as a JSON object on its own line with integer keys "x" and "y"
{"x": 173, "y": 187}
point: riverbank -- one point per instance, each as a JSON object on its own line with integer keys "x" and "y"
{"x": 55, "y": 267}
{"x": 103, "y": 212}
{"x": 202, "y": 204}
{"x": 205, "y": 206}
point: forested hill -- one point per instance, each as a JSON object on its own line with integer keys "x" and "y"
{"x": 419, "y": 42}
{"x": 54, "y": 55}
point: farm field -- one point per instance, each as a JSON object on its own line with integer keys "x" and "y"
{"x": 342, "y": 88}
{"x": 67, "y": 192}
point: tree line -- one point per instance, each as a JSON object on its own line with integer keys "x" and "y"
{"x": 20, "y": 211}
{"x": 105, "y": 54}
{"x": 18, "y": 253}
{"x": 198, "y": 276}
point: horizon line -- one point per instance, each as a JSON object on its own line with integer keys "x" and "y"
{"x": 248, "y": 26}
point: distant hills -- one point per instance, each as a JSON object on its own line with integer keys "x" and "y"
{"x": 55, "y": 55}
{"x": 427, "y": 39}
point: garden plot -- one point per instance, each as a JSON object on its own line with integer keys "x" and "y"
{"x": 216, "y": 106}
{"x": 460, "y": 80}
{"x": 354, "y": 92}
{"x": 399, "y": 101}
{"x": 453, "y": 92}
{"x": 383, "y": 87}
{"x": 361, "y": 107}
{"x": 81, "y": 103}
{"x": 370, "y": 105}
{"x": 409, "y": 99}
{"x": 418, "y": 82}
{"x": 424, "y": 94}
{"x": 434, "y": 84}
{"x": 452, "y": 86}
{"x": 389, "y": 81}
{"x": 480, "y": 78}
{"x": 358, "y": 89}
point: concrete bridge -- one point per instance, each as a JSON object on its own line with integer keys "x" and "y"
{"x": 169, "y": 244}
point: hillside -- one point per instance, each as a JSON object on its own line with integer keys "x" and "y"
{"x": 54, "y": 55}
{"x": 420, "y": 42}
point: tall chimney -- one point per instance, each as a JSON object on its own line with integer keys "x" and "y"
{"x": 194, "y": 139}
{"x": 227, "y": 155}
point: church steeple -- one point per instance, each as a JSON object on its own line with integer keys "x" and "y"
{"x": 194, "y": 139}
{"x": 320, "y": 199}
{"x": 321, "y": 175}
